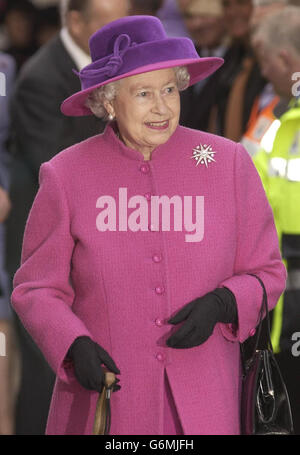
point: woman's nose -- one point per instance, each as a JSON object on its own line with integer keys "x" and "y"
{"x": 160, "y": 105}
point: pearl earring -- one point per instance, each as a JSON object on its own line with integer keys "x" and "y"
{"x": 111, "y": 117}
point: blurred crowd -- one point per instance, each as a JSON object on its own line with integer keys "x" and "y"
{"x": 42, "y": 41}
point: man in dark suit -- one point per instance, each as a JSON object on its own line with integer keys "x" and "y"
{"x": 205, "y": 24}
{"x": 39, "y": 131}
{"x": 222, "y": 104}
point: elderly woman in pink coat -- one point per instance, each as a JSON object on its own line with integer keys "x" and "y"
{"x": 139, "y": 247}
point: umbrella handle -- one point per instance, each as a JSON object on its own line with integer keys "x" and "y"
{"x": 102, "y": 415}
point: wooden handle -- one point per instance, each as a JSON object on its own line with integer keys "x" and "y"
{"x": 110, "y": 378}
{"x": 101, "y": 412}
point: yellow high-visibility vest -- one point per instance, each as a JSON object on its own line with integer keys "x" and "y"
{"x": 278, "y": 163}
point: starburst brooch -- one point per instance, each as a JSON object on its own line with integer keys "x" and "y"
{"x": 203, "y": 154}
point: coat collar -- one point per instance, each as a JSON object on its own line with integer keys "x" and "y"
{"x": 110, "y": 136}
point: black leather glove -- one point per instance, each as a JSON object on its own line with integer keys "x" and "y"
{"x": 201, "y": 316}
{"x": 87, "y": 357}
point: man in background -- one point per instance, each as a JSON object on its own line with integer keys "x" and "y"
{"x": 145, "y": 7}
{"x": 277, "y": 43}
{"x": 205, "y": 25}
{"x": 261, "y": 116}
{"x": 204, "y": 21}
{"x": 40, "y": 131}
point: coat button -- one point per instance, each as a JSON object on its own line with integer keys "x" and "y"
{"x": 160, "y": 357}
{"x": 157, "y": 258}
{"x": 159, "y": 290}
{"x": 159, "y": 322}
{"x": 145, "y": 168}
{"x": 252, "y": 332}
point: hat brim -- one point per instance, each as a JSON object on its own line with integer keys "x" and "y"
{"x": 199, "y": 69}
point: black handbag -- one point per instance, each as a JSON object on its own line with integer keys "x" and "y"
{"x": 265, "y": 405}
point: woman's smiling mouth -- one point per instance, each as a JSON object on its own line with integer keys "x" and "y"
{"x": 158, "y": 125}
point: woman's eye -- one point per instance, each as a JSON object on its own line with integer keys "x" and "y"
{"x": 143, "y": 94}
{"x": 170, "y": 89}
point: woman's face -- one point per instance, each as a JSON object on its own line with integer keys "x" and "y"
{"x": 147, "y": 109}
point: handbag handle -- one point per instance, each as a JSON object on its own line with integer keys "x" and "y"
{"x": 103, "y": 413}
{"x": 264, "y": 306}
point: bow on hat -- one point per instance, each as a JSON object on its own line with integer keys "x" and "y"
{"x": 111, "y": 68}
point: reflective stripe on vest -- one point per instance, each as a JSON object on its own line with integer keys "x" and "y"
{"x": 286, "y": 169}
{"x": 269, "y": 137}
{"x": 258, "y": 125}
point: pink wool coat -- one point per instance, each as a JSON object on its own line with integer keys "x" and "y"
{"x": 120, "y": 287}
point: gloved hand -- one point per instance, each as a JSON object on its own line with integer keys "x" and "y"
{"x": 87, "y": 357}
{"x": 201, "y": 316}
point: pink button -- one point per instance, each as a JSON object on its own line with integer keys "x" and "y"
{"x": 144, "y": 169}
{"x": 252, "y": 332}
{"x": 159, "y": 322}
{"x": 157, "y": 258}
{"x": 159, "y": 290}
{"x": 160, "y": 357}
{"x": 148, "y": 196}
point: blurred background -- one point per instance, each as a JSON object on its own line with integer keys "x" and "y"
{"x": 41, "y": 41}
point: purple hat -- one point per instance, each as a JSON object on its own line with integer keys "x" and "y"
{"x": 134, "y": 45}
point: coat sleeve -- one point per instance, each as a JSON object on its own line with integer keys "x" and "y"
{"x": 43, "y": 294}
{"x": 257, "y": 251}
